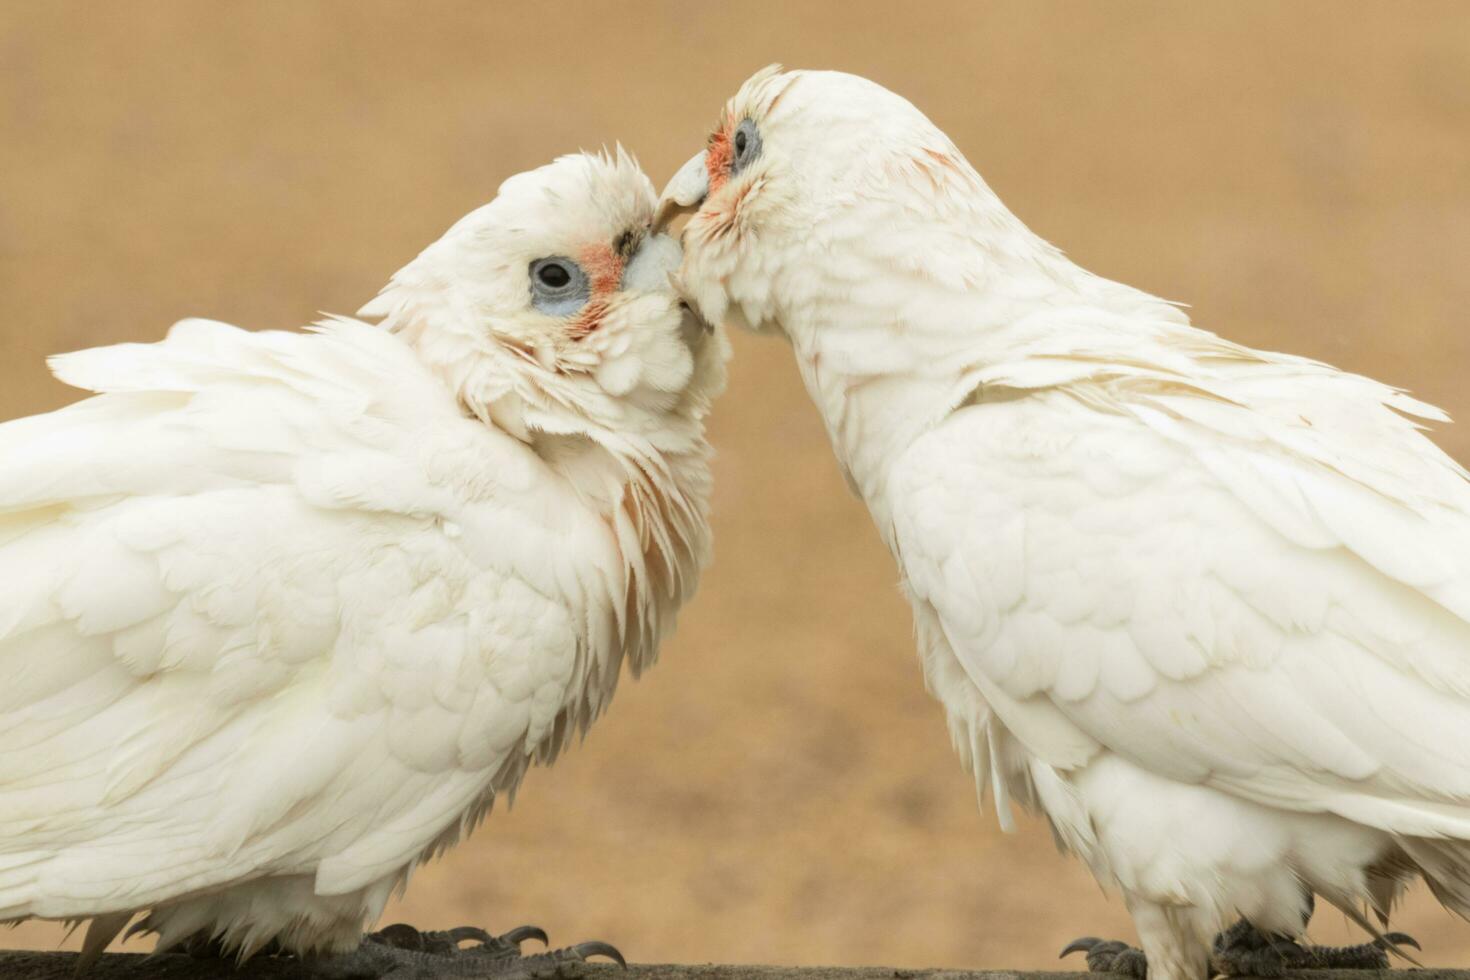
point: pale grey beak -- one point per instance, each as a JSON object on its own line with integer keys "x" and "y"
{"x": 683, "y": 194}
{"x": 656, "y": 268}
{"x": 657, "y": 259}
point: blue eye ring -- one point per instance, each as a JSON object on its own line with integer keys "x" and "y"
{"x": 745, "y": 145}
{"x": 559, "y": 287}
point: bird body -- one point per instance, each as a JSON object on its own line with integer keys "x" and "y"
{"x": 1205, "y": 607}
{"x": 286, "y": 613}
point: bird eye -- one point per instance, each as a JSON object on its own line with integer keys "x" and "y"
{"x": 554, "y": 274}
{"x": 558, "y": 286}
{"x": 747, "y": 144}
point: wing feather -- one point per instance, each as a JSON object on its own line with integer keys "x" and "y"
{"x": 274, "y": 606}
{"x": 1227, "y": 587}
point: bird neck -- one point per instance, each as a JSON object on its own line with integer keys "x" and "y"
{"x": 643, "y": 470}
{"x": 655, "y": 501}
{"x": 883, "y": 377}
{"x": 872, "y": 413}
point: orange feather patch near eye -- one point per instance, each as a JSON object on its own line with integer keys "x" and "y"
{"x": 718, "y": 157}
{"x": 589, "y": 319}
{"x": 604, "y": 269}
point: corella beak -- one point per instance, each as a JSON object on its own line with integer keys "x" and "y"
{"x": 683, "y": 194}
{"x": 656, "y": 260}
{"x": 655, "y": 268}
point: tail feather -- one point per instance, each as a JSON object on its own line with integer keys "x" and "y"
{"x": 1445, "y": 864}
{"x": 100, "y": 932}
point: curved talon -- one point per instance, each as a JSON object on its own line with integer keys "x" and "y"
{"x": 399, "y": 935}
{"x": 1391, "y": 939}
{"x": 459, "y": 934}
{"x": 595, "y": 948}
{"x": 520, "y": 934}
{"x": 1083, "y": 945}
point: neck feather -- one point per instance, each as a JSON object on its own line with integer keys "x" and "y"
{"x": 888, "y": 358}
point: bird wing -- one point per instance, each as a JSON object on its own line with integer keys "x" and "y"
{"x": 1259, "y": 581}
{"x": 272, "y": 605}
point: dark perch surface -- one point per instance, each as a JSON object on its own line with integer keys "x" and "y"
{"x": 129, "y": 966}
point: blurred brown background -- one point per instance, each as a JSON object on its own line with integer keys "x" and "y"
{"x": 781, "y": 788}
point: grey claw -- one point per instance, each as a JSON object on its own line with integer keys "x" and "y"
{"x": 584, "y": 950}
{"x": 520, "y": 934}
{"x": 1397, "y": 939}
{"x": 1083, "y": 945}
{"x": 460, "y": 933}
{"x": 399, "y": 935}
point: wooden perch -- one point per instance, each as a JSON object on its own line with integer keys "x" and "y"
{"x": 134, "y": 966}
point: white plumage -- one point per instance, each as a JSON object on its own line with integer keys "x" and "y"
{"x": 284, "y": 613}
{"x": 1205, "y": 607}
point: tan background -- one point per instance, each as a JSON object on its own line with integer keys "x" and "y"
{"x": 780, "y": 789}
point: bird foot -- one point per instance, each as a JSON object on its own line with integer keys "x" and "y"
{"x": 1243, "y": 950}
{"x": 1110, "y": 956}
{"x": 1364, "y": 956}
{"x": 401, "y": 952}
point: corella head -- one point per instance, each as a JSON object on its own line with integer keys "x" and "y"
{"x": 815, "y": 188}
{"x": 550, "y": 309}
